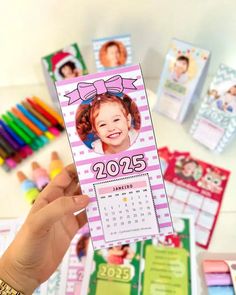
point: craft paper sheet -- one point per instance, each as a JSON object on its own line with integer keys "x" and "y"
{"x": 118, "y": 167}
{"x": 215, "y": 122}
{"x": 112, "y": 52}
{"x": 181, "y": 80}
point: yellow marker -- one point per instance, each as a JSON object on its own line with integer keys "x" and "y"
{"x": 55, "y": 166}
{"x": 49, "y": 135}
{"x": 125, "y": 199}
{"x": 1, "y": 161}
{"x": 49, "y": 110}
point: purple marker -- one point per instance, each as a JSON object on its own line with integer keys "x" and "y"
{"x": 9, "y": 139}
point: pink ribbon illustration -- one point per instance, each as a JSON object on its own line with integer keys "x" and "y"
{"x": 85, "y": 91}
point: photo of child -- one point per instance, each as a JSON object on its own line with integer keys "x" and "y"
{"x": 109, "y": 124}
{"x": 179, "y": 72}
{"x": 188, "y": 169}
{"x": 225, "y": 102}
{"x": 118, "y": 254}
{"x": 65, "y": 66}
{"x": 112, "y": 54}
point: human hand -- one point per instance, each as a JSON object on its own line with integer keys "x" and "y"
{"x": 45, "y": 236}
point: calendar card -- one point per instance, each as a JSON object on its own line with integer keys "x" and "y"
{"x": 196, "y": 187}
{"x": 181, "y": 80}
{"x": 215, "y": 122}
{"x": 112, "y": 52}
{"x": 110, "y": 131}
{"x": 170, "y": 262}
{"x": 116, "y": 270}
{"x": 63, "y": 64}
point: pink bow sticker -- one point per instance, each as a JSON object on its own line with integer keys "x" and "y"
{"x": 85, "y": 91}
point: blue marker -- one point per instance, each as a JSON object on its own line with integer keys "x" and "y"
{"x": 12, "y": 133}
{"x": 32, "y": 118}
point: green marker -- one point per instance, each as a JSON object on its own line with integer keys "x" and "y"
{"x": 17, "y": 130}
{"x": 22, "y": 125}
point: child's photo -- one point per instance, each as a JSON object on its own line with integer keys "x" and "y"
{"x": 225, "y": 100}
{"x": 113, "y": 54}
{"x": 120, "y": 254}
{"x": 109, "y": 123}
{"x": 179, "y": 73}
{"x": 188, "y": 169}
{"x": 65, "y": 64}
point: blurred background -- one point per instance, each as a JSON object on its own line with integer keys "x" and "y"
{"x": 32, "y": 29}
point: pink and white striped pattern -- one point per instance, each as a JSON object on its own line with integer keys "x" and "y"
{"x": 145, "y": 144}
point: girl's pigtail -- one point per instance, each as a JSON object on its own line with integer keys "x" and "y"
{"x": 133, "y": 110}
{"x": 83, "y": 125}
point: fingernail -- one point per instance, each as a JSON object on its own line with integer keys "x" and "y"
{"x": 81, "y": 199}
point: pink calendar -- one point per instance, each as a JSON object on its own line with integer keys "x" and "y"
{"x": 110, "y": 130}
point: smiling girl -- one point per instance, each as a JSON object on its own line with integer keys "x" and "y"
{"x": 114, "y": 120}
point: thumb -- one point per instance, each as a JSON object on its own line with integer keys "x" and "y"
{"x": 57, "y": 209}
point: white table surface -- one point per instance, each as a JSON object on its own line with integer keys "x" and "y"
{"x": 169, "y": 133}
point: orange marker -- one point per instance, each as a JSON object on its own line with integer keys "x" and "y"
{"x": 28, "y": 187}
{"x": 55, "y": 166}
{"x": 27, "y": 122}
{"x": 49, "y": 110}
{"x": 40, "y": 176}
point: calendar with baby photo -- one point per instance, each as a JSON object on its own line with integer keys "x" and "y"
{"x": 108, "y": 122}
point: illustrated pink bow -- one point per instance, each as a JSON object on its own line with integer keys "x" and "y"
{"x": 85, "y": 91}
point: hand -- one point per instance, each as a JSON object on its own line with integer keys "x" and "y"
{"x": 46, "y": 234}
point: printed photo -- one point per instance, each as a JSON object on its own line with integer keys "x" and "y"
{"x": 108, "y": 124}
{"x": 223, "y": 97}
{"x": 113, "y": 54}
{"x": 65, "y": 64}
{"x": 179, "y": 73}
{"x": 188, "y": 169}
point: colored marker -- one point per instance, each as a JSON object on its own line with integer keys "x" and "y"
{"x": 9, "y": 139}
{"x": 28, "y": 187}
{"x": 27, "y": 122}
{"x": 1, "y": 161}
{"x": 8, "y": 149}
{"x": 40, "y": 176}
{"x": 44, "y": 113}
{"x": 36, "y": 114}
{"x": 55, "y": 166}
{"x": 49, "y": 135}
{"x": 49, "y": 110}
{"x": 36, "y": 140}
{"x": 21, "y": 150}
{"x": 3, "y": 154}
{"x": 22, "y": 125}
{"x": 32, "y": 118}
{"x": 18, "y": 131}
{"x": 12, "y": 133}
